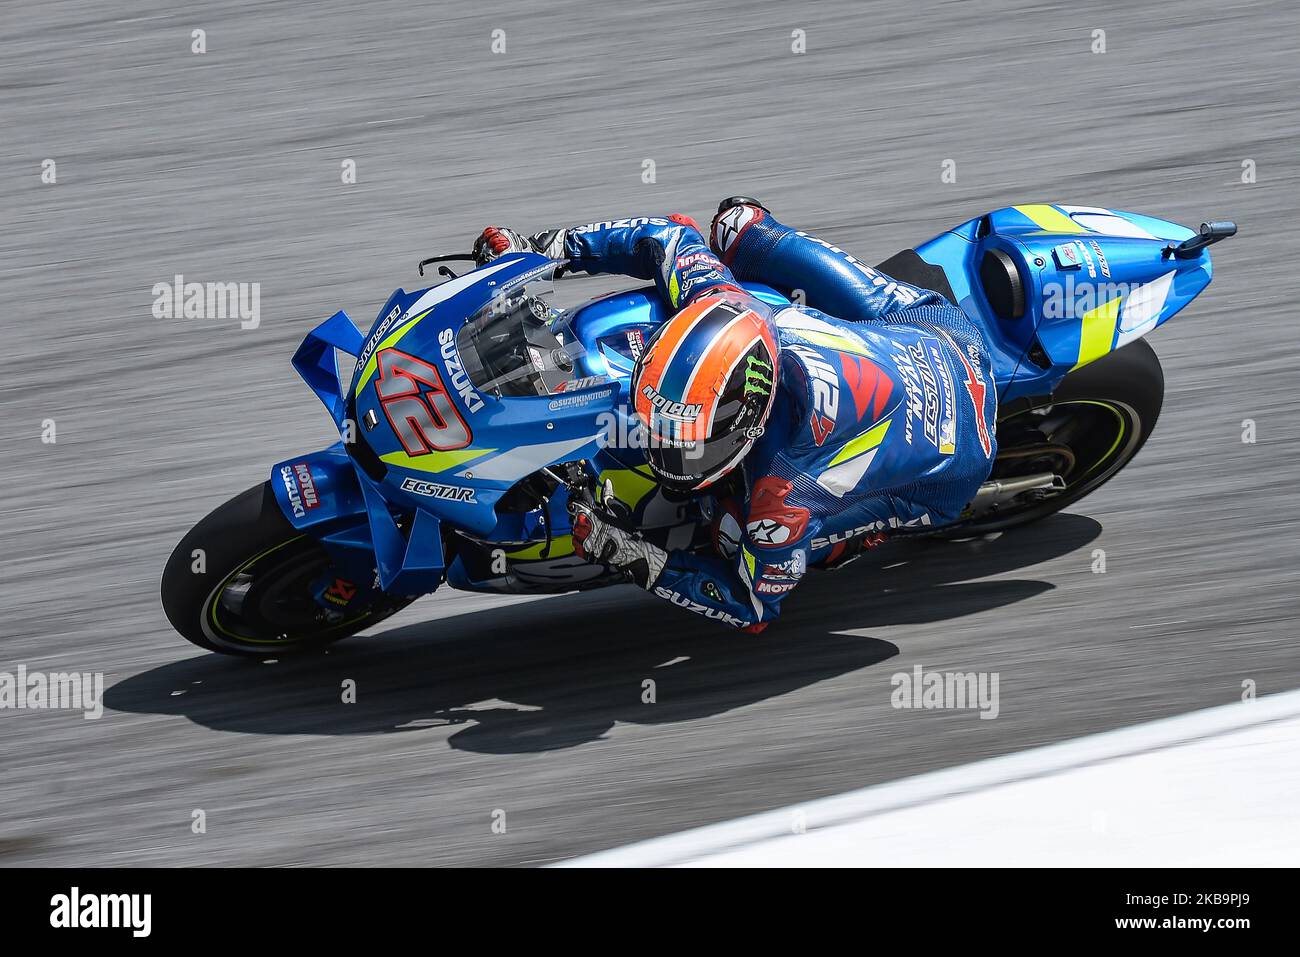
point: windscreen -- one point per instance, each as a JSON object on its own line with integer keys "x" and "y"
{"x": 508, "y": 346}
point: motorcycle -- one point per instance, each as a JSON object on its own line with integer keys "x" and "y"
{"x": 475, "y": 412}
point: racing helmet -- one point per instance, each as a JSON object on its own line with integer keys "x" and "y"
{"x": 703, "y": 389}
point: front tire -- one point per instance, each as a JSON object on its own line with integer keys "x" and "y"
{"x": 240, "y": 583}
{"x": 1087, "y": 431}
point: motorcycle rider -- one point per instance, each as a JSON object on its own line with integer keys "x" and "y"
{"x": 866, "y": 406}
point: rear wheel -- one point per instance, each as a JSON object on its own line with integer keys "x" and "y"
{"x": 1089, "y": 429}
{"x": 241, "y": 582}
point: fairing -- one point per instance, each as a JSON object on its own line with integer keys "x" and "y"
{"x": 1110, "y": 284}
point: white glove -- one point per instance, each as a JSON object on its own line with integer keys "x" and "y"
{"x": 550, "y": 243}
{"x": 598, "y": 540}
{"x": 496, "y": 241}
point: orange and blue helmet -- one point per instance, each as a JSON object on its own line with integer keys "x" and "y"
{"x": 703, "y": 388}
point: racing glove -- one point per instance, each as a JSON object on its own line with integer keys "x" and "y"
{"x": 597, "y": 539}
{"x": 496, "y": 241}
{"x": 550, "y": 243}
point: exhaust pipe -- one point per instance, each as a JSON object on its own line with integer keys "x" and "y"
{"x": 997, "y": 492}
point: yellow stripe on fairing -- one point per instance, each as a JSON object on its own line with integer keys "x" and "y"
{"x": 630, "y": 485}
{"x": 372, "y": 362}
{"x": 863, "y": 443}
{"x": 1050, "y": 219}
{"x": 1098, "y": 331}
{"x": 433, "y": 461}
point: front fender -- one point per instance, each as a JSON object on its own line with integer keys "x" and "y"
{"x": 321, "y": 494}
{"x": 318, "y": 488}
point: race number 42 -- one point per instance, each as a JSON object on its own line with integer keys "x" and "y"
{"x": 418, "y": 406}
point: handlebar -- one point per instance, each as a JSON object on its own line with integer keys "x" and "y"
{"x": 449, "y": 257}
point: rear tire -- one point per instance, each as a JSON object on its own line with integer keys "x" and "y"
{"x": 251, "y": 593}
{"x": 1104, "y": 413}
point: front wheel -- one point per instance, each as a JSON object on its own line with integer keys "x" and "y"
{"x": 241, "y": 582}
{"x": 1091, "y": 427}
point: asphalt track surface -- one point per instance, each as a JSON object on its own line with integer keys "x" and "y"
{"x": 226, "y": 166}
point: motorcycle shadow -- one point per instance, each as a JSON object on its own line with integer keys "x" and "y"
{"x": 561, "y": 671}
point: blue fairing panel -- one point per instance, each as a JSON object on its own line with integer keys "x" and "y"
{"x": 317, "y": 488}
{"x": 1093, "y": 280}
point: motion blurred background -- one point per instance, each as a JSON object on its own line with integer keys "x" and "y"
{"x": 227, "y": 166}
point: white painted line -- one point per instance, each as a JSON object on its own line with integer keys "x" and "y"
{"x": 1198, "y": 797}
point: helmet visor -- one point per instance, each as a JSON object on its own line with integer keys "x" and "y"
{"x": 689, "y": 465}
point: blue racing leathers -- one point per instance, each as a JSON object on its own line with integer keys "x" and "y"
{"x": 669, "y": 250}
{"x": 884, "y": 416}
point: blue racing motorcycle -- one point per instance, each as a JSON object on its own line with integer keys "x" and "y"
{"x": 475, "y": 411}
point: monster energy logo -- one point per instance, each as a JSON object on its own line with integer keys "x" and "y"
{"x": 757, "y": 376}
